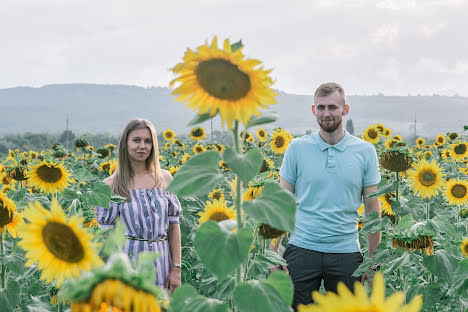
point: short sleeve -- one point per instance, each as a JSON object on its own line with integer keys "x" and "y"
{"x": 105, "y": 217}
{"x": 174, "y": 210}
{"x": 288, "y": 170}
{"x": 372, "y": 172}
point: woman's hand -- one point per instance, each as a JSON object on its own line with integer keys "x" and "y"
{"x": 173, "y": 279}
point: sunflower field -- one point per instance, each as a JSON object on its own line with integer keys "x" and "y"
{"x": 54, "y": 257}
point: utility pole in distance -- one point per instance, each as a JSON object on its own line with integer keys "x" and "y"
{"x": 66, "y": 131}
{"x": 415, "y": 126}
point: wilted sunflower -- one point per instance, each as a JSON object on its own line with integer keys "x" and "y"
{"x": 386, "y": 201}
{"x": 440, "y": 140}
{"x": 216, "y": 210}
{"x": 371, "y": 134}
{"x": 345, "y": 300}
{"x": 168, "y": 135}
{"x": 464, "y": 247}
{"x": 426, "y": 178}
{"x": 197, "y": 149}
{"x": 459, "y": 151}
{"x": 80, "y": 143}
{"x": 119, "y": 296}
{"x": 104, "y": 152}
{"x": 216, "y": 194}
{"x": 10, "y": 218}
{"x": 179, "y": 144}
{"x": 452, "y": 136}
{"x": 216, "y": 80}
{"x": 252, "y": 192}
{"x": 420, "y": 142}
{"x": 261, "y": 134}
{"x": 49, "y": 177}
{"x": 111, "y": 147}
{"x": 420, "y": 244}
{"x": 279, "y": 142}
{"x": 173, "y": 170}
{"x": 456, "y": 192}
{"x": 197, "y": 134}
{"x": 395, "y": 161}
{"x": 60, "y": 245}
{"x": 18, "y": 173}
{"x": 267, "y": 231}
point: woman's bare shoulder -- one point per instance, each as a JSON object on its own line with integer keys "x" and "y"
{"x": 166, "y": 177}
{"x": 109, "y": 180}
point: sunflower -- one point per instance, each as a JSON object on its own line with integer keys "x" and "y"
{"x": 216, "y": 80}
{"x": 464, "y": 247}
{"x": 345, "y": 300}
{"x": 220, "y": 147}
{"x": 252, "y": 192}
{"x": 18, "y": 173}
{"x": 197, "y": 134}
{"x": 269, "y": 232}
{"x": 113, "y": 166}
{"x": 445, "y": 154}
{"x": 459, "y": 151}
{"x": 380, "y": 127}
{"x": 5, "y": 178}
{"x": 267, "y": 165}
{"x": 426, "y": 178}
{"x": 173, "y": 170}
{"x": 452, "y": 136}
{"x": 420, "y": 142}
{"x": 395, "y": 161}
{"x": 10, "y": 218}
{"x": 386, "y": 201}
{"x": 248, "y": 136}
{"x": 261, "y": 135}
{"x": 105, "y": 166}
{"x": 440, "y": 140}
{"x": 273, "y": 174}
{"x": 456, "y": 192}
{"x": 216, "y": 194}
{"x": 387, "y": 133}
{"x": 197, "y": 149}
{"x": 372, "y": 135}
{"x": 397, "y": 137}
{"x": 168, "y": 135}
{"x": 117, "y": 295}
{"x": 279, "y": 142}
{"x": 419, "y": 244}
{"x": 179, "y": 144}
{"x": 167, "y": 146}
{"x": 49, "y": 177}
{"x": 427, "y": 154}
{"x": 223, "y": 165}
{"x": 216, "y": 210}
{"x": 60, "y": 245}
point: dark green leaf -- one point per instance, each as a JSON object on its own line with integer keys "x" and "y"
{"x": 460, "y": 279}
{"x": 220, "y": 250}
{"x": 82, "y": 174}
{"x": 283, "y": 285}
{"x": 236, "y": 46}
{"x": 13, "y": 290}
{"x": 246, "y": 166}
{"x": 256, "y": 296}
{"x": 198, "y": 119}
{"x": 275, "y": 206}
{"x": 396, "y": 263}
{"x": 100, "y": 195}
{"x": 202, "y": 304}
{"x": 373, "y": 223}
{"x": 443, "y": 264}
{"x": 388, "y": 188}
{"x": 182, "y": 295}
{"x": 260, "y": 120}
{"x": 364, "y": 267}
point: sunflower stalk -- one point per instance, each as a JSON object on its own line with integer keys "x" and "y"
{"x": 397, "y": 196}
{"x": 2, "y": 255}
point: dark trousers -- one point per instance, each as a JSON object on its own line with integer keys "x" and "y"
{"x": 307, "y": 268}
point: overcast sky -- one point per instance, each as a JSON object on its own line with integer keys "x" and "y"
{"x": 369, "y": 46}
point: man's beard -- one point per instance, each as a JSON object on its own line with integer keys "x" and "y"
{"x": 330, "y": 127}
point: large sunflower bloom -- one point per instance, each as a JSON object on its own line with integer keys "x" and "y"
{"x": 168, "y": 135}
{"x": 217, "y": 210}
{"x": 459, "y": 151}
{"x": 371, "y": 134}
{"x": 279, "y": 142}
{"x": 60, "y": 245}
{"x": 426, "y": 178}
{"x": 197, "y": 133}
{"x": 9, "y": 216}
{"x": 216, "y": 80}
{"x": 456, "y": 192}
{"x": 49, "y": 177}
{"x": 346, "y": 301}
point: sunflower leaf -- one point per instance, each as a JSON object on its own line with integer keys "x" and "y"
{"x": 246, "y": 166}
{"x": 460, "y": 280}
{"x": 261, "y": 120}
{"x": 198, "y": 119}
{"x": 236, "y": 46}
{"x": 283, "y": 284}
{"x": 443, "y": 263}
{"x": 266, "y": 297}
{"x": 275, "y": 206}
{"x": 386, "y": 189}
{"x": 82, "y": 174}
{"x": 222, "y": 251}
{"x": 99, "y": 195}
{"x": 182, "y": 295}
{"x": 373, "y": 223}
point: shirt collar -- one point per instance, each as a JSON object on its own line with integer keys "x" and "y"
{"x": 341, "y": 146}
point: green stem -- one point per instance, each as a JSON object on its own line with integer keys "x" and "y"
{"x": 397, "y": 196}
{"x": 2, "y": 254}
{"x": 237, "y": 201}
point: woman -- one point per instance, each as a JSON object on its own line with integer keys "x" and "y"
{"x": 150, "y": 214}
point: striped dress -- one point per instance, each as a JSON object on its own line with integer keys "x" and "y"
{"x": 146, "y": 216}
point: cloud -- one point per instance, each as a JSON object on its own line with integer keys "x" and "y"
{"x": 385, "y": 34}
{"x": 431, "y": 65}
{"x": 429, "y": 31}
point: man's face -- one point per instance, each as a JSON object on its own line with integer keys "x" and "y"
{"x": 329, "y": 111}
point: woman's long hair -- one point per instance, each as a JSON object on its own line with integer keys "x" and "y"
{"x": 124, "y": 172}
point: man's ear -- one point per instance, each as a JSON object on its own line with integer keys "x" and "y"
{"x": 346, "y": 110}
{"x": 313, "y": 109}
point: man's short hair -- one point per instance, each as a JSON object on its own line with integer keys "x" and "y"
{"x": 328, "y": 88}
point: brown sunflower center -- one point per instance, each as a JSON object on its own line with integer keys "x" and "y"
{"x": 440, "y": 139}
{"x": 197, "y": 132}
{"x": 458, "y": 191}
{"x": 420, "y": 142}
{"x": 62, "y": 242}
{"x": 466, "y": 248}
{"x": 5, "y": 216}
{"x": 389, "y": 198}
{"x": 216, "y": 195}
{"x": 199, "y": 149}
{"x": 179, "y": 143}
{"x": 261, "y": 133}
{"x": 372, "y": 134}
{"x": 460, "y": 149}
{"x": 168, "y": 134}
{"x": 219, "y": 216}
{"x": 427, "y": 178}
{"x": 279, "y": 141}
{"x": 453, "y": 135}
{"x": 222, "y": 79}
{"x": 106, "y": 167}
{"x": 48, "y": 174}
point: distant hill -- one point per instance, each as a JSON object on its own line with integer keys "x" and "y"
{"x": 106, "y": 108}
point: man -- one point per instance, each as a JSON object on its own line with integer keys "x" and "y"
{"x": 330, "y": 172}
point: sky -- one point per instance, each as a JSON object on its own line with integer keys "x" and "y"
{"x": 368, "y": 46}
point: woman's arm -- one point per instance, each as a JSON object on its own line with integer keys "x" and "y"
{"x": 173, "y": 280}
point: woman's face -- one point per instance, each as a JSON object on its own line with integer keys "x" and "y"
{"x": 139, "y": 144}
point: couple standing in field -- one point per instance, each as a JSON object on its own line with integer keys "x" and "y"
{"x": 330, "y": 173}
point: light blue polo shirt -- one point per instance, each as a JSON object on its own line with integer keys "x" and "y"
{"x": 328, "y": 181}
